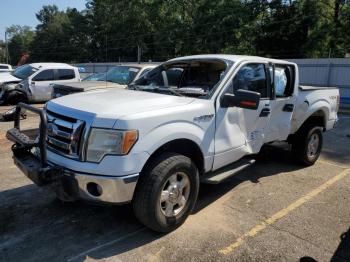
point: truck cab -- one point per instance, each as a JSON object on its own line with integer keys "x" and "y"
{"x": 190, "y": 120}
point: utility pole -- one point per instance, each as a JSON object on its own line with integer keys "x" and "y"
{"x": 7, "y": 48}
{"x": 330, "y": 53}
{"x": 138, "y": 54}
{"x": 106, "y": 50}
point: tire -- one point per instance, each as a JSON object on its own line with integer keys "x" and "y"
{"x": 15, "y": 97}
{"x": 157, "y": 190}
{"x": 308, "y": 135}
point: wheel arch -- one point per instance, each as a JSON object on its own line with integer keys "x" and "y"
{"x": 183, "y": 146}
{"x": 316, "y": 118}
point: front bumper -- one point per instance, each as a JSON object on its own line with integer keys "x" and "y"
{"x": 114, "y": 190}
{"x": 67, "y": 184}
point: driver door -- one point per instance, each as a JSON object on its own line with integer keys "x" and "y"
{"x": 240, "y": 131}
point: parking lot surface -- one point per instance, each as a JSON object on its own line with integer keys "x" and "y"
{"x": 276, "y": 210}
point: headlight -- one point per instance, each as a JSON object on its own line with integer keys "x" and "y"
{"x": 108, "y": 141}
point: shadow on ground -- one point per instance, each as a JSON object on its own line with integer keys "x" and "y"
{"x": 341, "y": 254}
{"x": 343, "y": 251}
{"x": 43, "y": 228}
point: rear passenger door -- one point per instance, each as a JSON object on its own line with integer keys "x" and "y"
{"x": 283, "y": 102}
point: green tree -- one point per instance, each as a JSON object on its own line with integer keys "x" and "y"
{"x": 61, "y": 36}
{"x": 19, "y": 41}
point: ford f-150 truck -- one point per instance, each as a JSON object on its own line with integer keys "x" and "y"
{"x": 191, "y": 119}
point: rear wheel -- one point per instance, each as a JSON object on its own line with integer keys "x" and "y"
{"x": 166, "y": 192}
{"x": 307, "y": 145}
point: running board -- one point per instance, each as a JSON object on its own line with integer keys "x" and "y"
{"x": 226, "y": 172}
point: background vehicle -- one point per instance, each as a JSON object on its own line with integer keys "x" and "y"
{"x": 33, "y": 82}
{"x": 116, "y": 77}
{"x": 93, "y": 77}
{"x": 191, "y": 119}
{"x": 5, "y": 68}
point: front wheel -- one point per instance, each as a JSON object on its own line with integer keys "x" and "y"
{"x": 166, "y": 192}
{"x": 307, "y": 145}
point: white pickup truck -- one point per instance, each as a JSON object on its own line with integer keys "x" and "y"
{"x": 33, "y": 82}
{"x": 191, "y": 119}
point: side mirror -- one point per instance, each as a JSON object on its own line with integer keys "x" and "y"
{"x": 241, "y": 98}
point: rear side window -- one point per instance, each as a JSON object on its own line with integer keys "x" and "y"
{"x": 4, "y": 67}
{"x": 283, "y": 81}
{"x": 46, "y": 75}
{"x": 66, "y": 74}
{"x": 251, "y": 77}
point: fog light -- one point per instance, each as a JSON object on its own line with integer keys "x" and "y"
{"x": 94, "y": 189}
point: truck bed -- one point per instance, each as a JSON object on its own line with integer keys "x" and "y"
{"x": 307, "y": 88}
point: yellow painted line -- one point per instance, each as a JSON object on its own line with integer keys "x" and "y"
{"x": 282, "y": 213}
{"x": 332, "y": 164}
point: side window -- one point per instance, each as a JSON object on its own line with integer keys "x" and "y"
{"x": 251, "y": 77}
{"x": 46, "y": 75}
{"x": 283, "y": 81}
{"x": 66, "y": 74}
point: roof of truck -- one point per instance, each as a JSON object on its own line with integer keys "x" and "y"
{"x": 141, "y": 65}
{"x": 51, "y": 65}
{"x": 233, "y": 58}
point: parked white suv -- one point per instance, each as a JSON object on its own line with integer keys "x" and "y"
{"x": 191, "y": 119}
{"x": 33, "y": 82}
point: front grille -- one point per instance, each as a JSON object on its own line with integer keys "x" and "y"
{"x": 64, "y": 134}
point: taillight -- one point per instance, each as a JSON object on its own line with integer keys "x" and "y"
{"x": 338, "y": 103}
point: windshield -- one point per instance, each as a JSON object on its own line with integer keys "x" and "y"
{"x": 24, "y": 72}
{"x": 95, "y": 77}
{"x": 195, "y": 78}
{"x": 121, "y": 75}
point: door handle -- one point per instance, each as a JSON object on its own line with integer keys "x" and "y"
{"x": 265, "y": 112}
{"x": 288, "y": 108}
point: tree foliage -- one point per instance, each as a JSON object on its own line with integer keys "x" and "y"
{"x": 21, "y": 38}
{"x": 109, "y": 30}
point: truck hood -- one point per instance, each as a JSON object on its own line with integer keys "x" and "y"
{"x": 87, "y": 85}
{"x": 7, "y": 77}
{"x": 115, "y": 103}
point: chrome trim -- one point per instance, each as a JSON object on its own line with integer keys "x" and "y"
{"x": 72, "y": 113}
{"x": 58, "y": 143}
{"x": 114, "y": 189}
{"x": 67, "y": 139}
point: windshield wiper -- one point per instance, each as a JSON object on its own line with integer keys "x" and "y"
{"x": 155, "y": 89}
{"x": 192, "y": 91}
{"x": 174, "y": 92}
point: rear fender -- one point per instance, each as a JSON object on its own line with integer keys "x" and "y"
{"x": 320, "y": 108}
